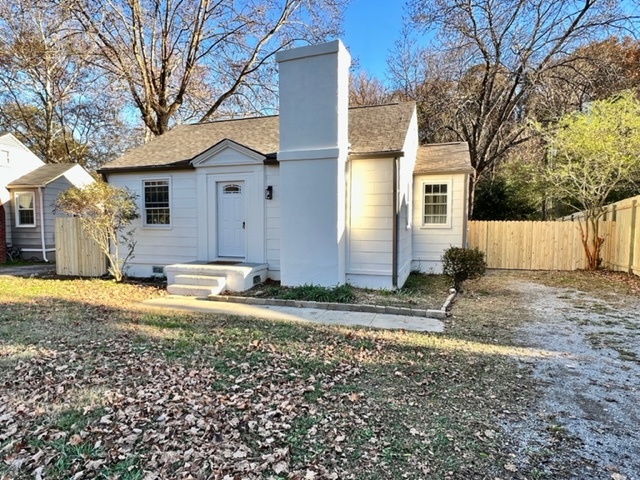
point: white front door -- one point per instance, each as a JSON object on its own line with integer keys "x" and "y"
{"x": 231, "y": 219}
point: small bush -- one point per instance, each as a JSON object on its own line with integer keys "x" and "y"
{"x": 463, "y": 264}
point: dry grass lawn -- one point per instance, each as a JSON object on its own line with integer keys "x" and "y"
{"x": 92, "y": 385}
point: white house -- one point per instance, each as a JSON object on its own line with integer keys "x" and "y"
{"x": 322, "y": 194}
{"x": 28, "y": 188}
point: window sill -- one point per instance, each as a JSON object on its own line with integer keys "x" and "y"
{"x": 157, "y": 227}
{"x": 436, "y": 227}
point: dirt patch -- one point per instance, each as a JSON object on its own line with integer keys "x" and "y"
{"x": 586, "y": 421}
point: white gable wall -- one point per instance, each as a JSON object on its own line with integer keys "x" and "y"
{"x": 430, "y": 242}
{"x": 192, "y": 235}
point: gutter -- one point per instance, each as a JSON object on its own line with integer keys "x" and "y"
{"x": 381, "y": 154}
{"x": 146, "y": 168}
{"x": 394, "y": 248}
{"x": 465, "y": 214}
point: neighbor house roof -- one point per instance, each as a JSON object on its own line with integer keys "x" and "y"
{"x": 374, "y": 129}
{"x": 42, "y": 176}
{"x": 443, "y": 158}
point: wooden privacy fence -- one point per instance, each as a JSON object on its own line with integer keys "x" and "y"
{"x": 76, "y": 253}
{"x": 535, "y": 245}
{"x": 624, "y": 252}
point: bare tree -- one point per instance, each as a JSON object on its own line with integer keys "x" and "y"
{"x": 591, "y": 72}
{"x": 51, "y": 97}
{"x": 497, "y": 54}
{"x": 183, "y": 59}
{"x": 365, "y": 89}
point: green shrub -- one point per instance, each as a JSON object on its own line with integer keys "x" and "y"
{"x": 463, "y": 264}
{"x": 316, "y": 293}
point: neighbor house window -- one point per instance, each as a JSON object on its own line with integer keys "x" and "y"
{"x": 25, "y": 209}
{"x": 157, "y": 209}
{"x": 436, "y": 204}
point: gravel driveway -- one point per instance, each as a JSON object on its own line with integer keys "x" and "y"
{"x": 586, "y": 420}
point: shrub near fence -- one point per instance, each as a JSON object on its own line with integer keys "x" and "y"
{"x": 623, "y": 252}
{"x": 533, "y": 245}
{"x": 76, "y": 253}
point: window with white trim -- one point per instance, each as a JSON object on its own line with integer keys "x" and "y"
{"x": 157, "y": 203}
{"x": 436, "y": 204}
{"x": 25, "y": 209}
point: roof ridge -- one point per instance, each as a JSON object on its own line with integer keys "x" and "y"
{"x": 260, "y": 117}
{"x": 389, "y": 104}
{"x": 257, "y": 117}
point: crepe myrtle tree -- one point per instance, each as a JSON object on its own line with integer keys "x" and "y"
{"x": 592, "y": 154}
{"x": 106, "y": 213}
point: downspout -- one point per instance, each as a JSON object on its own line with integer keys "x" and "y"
{"x": 465, "y": 215}
{"x": 394, "y": 260}
{"x": 44, "y": 246}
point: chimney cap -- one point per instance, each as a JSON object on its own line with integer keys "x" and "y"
{"x": 311, "y": 51}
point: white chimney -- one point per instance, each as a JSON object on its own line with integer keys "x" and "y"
{"x": 314, "y": 103}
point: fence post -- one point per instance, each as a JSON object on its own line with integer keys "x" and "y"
{"x": 632, "y": 236}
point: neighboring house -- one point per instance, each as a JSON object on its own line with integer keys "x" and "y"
{"x": 321, "y": 194}
{"x": 28, "y": 188}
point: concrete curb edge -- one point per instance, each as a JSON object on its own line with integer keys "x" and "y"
{"x": 345, "y": 307}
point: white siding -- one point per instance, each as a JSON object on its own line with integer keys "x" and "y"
{"x": 26, "y": 237}
{"x": 370, "y": 216}
{"x": 405, "y": 201}
{"x": 272, "y": 212}
{"x": 161, "y": 246}
{"x": 17, "y": 161}
{"x": 429, "y": 242}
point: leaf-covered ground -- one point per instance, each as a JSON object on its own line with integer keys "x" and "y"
{"x": 92, "y": 385}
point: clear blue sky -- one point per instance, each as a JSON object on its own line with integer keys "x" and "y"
{"x": 370, "y": 29}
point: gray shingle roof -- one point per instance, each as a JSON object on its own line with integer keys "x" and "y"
{"x": 371, "y": 130}
{"x": 443, "y": 158}
{"x": 42, "y": 176}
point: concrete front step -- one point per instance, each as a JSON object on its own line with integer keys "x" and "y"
{"x": 204, "y": 280}
{"x": 237, "y": 278}
{"x": 194, "y": 290}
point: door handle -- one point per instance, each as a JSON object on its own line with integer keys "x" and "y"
{"x": 243, "y": 225}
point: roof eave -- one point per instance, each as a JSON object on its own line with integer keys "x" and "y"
{"x": 378, "y": 154}
{"x": 442, "y": 171}
{"x": 19, "y": 185}
{"x": 146, "y": 168}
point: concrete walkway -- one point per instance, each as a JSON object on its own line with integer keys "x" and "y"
{"x": 272, "y": 312}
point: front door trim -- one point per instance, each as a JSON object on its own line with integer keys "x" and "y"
{"x": 254, "y": 205}
{"x": 231, "y": 219}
